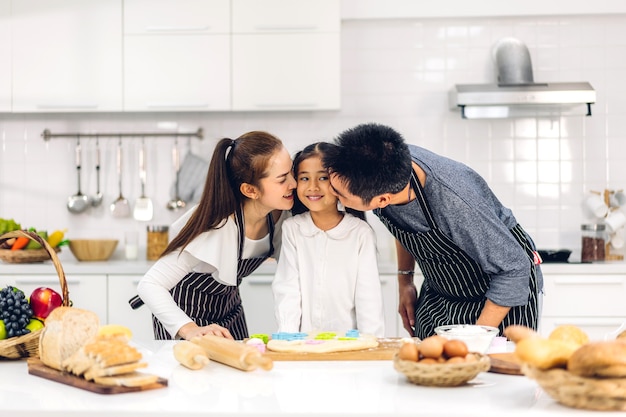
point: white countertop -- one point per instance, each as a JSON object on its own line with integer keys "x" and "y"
{"x": 118, "y": 266}
{"x": 324, "y": 389}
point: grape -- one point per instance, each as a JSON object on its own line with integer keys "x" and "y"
{"x": 15, "y": 311}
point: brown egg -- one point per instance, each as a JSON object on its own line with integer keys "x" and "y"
{"x": 429, "y": 361}
{"x": 471, "y": 358}
{"x": 456, "y": 359}
{"x": 432, "y": 347}
{"x": 408, "y": 352}
{"x": 453, "y": 348}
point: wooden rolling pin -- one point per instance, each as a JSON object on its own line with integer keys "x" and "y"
{"x": 233, "y": 353}
{"x": 190, "y": 355}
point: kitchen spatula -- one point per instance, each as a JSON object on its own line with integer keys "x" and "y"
{"x": 144, "y": 209}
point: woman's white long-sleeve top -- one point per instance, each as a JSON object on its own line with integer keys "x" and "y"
{"x": 328, "y": 280}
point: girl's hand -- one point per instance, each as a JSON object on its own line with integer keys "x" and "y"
{"x": 191, "y": 330}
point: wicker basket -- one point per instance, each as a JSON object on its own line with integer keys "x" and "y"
{"x": 441, "y": 375}
{"x": 26, "y": 256}
{"x": 28, "y": 345}
{"x": 603, "y": 394}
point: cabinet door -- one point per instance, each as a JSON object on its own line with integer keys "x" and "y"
{"x": 5, "y": 54}
{"x": 259, "y": 16}
{"x": 169, "y": 72}
{"x": 584, "y": 296}
{"x": 286, "y": 71}
{"x": 258, "y": 303}
{"x": 176, "y": 16}
{"x": 86, "y": 291}
{"x": 67, "y": 55}
{"x": 122, "y": 288}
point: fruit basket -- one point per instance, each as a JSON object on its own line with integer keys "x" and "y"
{"x": 444, "y": 374}
{"x": 602, "y": 394}
{"x": 25, "y": 256}
{"x": 28, "y": 345}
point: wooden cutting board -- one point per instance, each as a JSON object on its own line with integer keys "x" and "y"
{"x": 505, "y": 363}
{"x": 37, "y": 368}
{"x": 385, "y": 350}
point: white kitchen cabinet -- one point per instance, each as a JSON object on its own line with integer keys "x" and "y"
{"x": 5, "y": 54}
{"x": 85, "y": 291}
{"x": 177, "y": 57}
{"x": 67, "y": 55}
{"x": 258, "y": 303}
{"x": 285, "y": 55}
{"x": 122, "y": 288}
{"x": 593, "y": 302}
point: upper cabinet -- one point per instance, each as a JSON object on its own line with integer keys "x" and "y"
{"x": 5, "y": 54}
{"x": 66, "y": 55}
{"x": 177, "y": 56}
{"x": 169, "y": 55}
{"x": 285, "y": 55}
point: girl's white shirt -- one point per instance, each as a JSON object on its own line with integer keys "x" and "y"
{"x": 213, "y": 252}
{"x": 328, "y": 280}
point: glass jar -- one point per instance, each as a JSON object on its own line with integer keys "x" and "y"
{"x": 157, "y": 240}
{"x": 593, "y": 242}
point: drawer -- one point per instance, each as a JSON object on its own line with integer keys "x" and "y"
{"x": 584, "y": 296}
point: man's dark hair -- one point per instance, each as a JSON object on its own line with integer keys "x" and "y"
{"x": 372, "y": 159}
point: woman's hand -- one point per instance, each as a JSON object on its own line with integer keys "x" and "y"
{"x": 191, "y": 330}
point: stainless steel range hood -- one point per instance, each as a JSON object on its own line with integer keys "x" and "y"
{"x": 516, "y": 93}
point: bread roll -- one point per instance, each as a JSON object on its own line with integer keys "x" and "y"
{"x": 599, "y": 359}
{"x": 544, "y": 353}
{"x": 517, "y": 332}
{"x": 569, "y": 333}
{"x": 66, "y": 330}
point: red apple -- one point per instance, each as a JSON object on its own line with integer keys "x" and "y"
{"x": 43, "y": 300}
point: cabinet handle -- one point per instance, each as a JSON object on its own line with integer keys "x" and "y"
{"x": 67, "y": 106}
{"x": 608, "y": 323}
{"x": 177, "y": 105}
{"x": 177, "y": 28}
{"x": 594, "y": 281}
{"x": 263, "y": 281}
{"x": 286, "y": 105}
{"x": 284, "y": 28}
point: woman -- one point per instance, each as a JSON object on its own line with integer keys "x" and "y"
{"x": 192, "y": 290}
{"x": 327, "y": 278}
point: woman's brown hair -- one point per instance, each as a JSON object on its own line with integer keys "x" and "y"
{"x": 234, "y": 162}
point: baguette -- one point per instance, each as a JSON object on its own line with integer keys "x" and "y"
{"x": 133, "y": 379}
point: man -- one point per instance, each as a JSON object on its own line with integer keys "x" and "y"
{"x": 479, "y": 265}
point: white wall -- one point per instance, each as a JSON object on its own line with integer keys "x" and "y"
{"x": 394, "y": 71}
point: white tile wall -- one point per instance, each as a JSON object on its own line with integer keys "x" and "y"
{"x": 397, "y": 72}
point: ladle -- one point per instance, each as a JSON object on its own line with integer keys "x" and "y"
{"x": 120, "y": 207}
{"x": 96, "y": 200}
{"x": 144, "y": 209}
{"x": 79, "y": 202}
{"x": 176, "y": 203}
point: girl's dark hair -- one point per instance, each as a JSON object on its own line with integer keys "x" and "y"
{"x": 317, "y": 149}
{"x": 371, "y": 159}
{"x": 234, "y": 162}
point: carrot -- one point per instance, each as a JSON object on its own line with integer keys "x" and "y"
{"x": 20, "y": 243}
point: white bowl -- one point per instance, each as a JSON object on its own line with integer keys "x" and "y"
{"x": 477, "y": 338}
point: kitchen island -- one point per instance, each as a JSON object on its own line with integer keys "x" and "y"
{"x": 296, "y": 388}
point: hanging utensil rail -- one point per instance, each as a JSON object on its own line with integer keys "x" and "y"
{"x": 47, "y": 135}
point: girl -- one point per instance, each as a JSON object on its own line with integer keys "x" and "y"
{"x": 327, "y": 277}
{"x": 193, "y": 289}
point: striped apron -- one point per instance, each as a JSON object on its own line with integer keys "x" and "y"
{"x": 454, "y": 287}
{"x": 208, "y": 301}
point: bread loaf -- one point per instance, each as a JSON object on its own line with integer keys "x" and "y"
{"x": 66, "y": 330}
{"x": 599, "y": 359}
